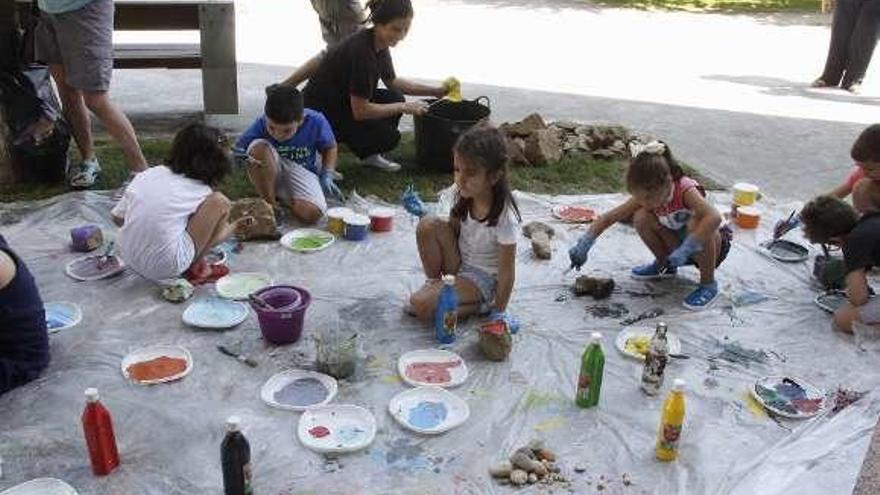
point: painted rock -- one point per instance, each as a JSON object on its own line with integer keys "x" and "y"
{"x": 500, "y": 470}
{"x": 538, "y": 468}
{"x": 519, "y": 477}
{"x": 542, "y": 246}
{"x": 539, "y": 228}
{"x": 495, "y": 340}
{"x": 263, "y": 227}
{"x": 535, "y": 445}
{"x": 533, "y": 478}
{"x": 546, "y": 454}
{"x": 599, "y": 288}
{"x": 521, "y": 461}
{"x": 179, "y": 291}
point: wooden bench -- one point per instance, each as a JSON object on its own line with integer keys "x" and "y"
{"x": 214, "y": 54}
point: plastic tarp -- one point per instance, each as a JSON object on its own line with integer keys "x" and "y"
{"x": 169, "y": 435}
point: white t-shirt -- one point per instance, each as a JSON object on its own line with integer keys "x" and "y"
{"x": 156, "y": 207}
{"x": 478, "y": 242}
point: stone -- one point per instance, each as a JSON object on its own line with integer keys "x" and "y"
{"x": 580, "y": 468}
{"x": 263, "y": 227}
{"x": 603, "y": 153}
{"x": 538, "y": 468}
{"x": 525, "y": 127}
{"x": 598, "y": 288}
{"x": 542, "y": 246}
{"x": 567, "y": 125}
{"x": 500, "y": 470}
{"x": 515, "y": 147}
{"x": 535, "y": 445}
{"x": 521, "y": 461}
{"x": 546, "y": 454}
{"x": 495, "y": 341}
{"x": 533, "y": 478}
{"x": 532, "y": 227}
{"x": 180, "y": 290}
{"x": 542, "y": 148}
{"x": 519, "y": 477}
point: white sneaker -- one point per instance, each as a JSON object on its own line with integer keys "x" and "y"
{"x": 87, "y": 174}
{"x": 381, "y": 163}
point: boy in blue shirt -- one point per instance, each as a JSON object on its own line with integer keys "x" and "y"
{"x": 281, "y": 149}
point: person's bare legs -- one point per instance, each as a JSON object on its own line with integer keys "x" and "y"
{"x": 424, "y": 300}
{"x": 708, "y": 258}
{"x": 209, "y": 225}
{"x": 305, "y": 212}
{"x": 74, "y": 109}
{"x": 118, "y": 126}
{"x": 844, "y": 317}
{"x": 438, "y": 247}
{"x": 264, "y": 173}
{"x": 660, "y": 240}
{"x": 866, "y": 196}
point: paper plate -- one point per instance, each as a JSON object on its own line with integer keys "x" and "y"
{"x": 215, "y": 312}
{"x": 831, "y": 300}
{"x": 574, "y": 213}
{"x": 336, "y": 428}
{"x": 789, "y": 397}
{"x": 153, "y": 352}
{"x": 782, "y": 250}
{"x": 86, "y": 268}
{"x": 62, "y": 315}
{"x": 642, "y": 334}
{"x": 241, "y": 285}
{"x": 432, "y": 367}
{"x": 307, "y": 240}
{"x": 41, "y": 486}
{"x": 429, "y": 410}
{"x": 298, "y": 390}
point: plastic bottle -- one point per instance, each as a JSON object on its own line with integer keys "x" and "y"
{"x": 235, "y": 456}
{"x": 655, "y": 361}
{"x": 670, "y": 423}
{"x": 446, "y": 315}
{"x": 590, "y": 378}
{"x": 98, "y": 428}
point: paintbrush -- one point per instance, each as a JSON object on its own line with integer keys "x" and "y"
{"x": 784, "y": 228}
{"x": 105, "y": 258}
{"x": 258, "y": 301}
{"x": 244, "y": 359}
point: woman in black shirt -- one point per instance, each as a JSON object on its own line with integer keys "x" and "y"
{"x": 343, "y": 86}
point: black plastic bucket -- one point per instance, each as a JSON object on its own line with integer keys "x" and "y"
{"x": 437, "y": 130}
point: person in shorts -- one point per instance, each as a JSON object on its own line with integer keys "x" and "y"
{"x": 339, "y": 19}
{"x": 75, "y": 38}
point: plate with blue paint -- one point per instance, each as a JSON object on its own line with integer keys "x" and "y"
{"x": 337, "y": 428}
{"x": 789, "y": 397}
{"x": 429, "y": 410}
{"x": 784, "y": 250}
{"x": 298, "y": 390}
{"x": 62, "y": 315}
{"x": 41, "y": 486}
{"x": 215, "y": 313}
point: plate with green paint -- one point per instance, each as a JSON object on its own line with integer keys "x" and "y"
{"x": 307, "y": 240}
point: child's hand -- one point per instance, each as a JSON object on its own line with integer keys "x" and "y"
{"x": 683, "y": 252}
{"x": 783, "y": 227}
{"x": 511, "y": 322}
{"x": 415, "y": 108}
{"x": 412, "y": 203}
{"x": 580, "y": 251}
{"x": 329, "y": 185}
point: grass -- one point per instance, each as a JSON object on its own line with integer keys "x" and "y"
{"x": 569, "y": 176}
{"x": 740, "y": 6}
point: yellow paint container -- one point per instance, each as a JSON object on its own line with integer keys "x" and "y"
{"x": 336, "y": 220}
{"x": 745, "y": 194}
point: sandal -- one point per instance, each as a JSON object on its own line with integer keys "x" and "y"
{"x": 703, "y": 297}
{"x": 202, "y": 273}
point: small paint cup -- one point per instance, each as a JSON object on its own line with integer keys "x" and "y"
{"x": 745, "y": 194}
{"x": 356, "y": 226}
{"x": 86, "y": 238}
{"x": 381, "y": 219}
{"x": 336, "y": 220}
{"x": 748, "y": 217}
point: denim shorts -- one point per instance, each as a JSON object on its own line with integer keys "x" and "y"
{"x": 485, "y": 282}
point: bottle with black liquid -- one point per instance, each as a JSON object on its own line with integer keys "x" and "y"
{"x": 235, "y": 456}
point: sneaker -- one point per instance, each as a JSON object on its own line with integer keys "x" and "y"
{"x": 651, "y": 271}
{"x": 118, "y": 193}
{"x": 819, "y": 83}
{"x": 854, "y": 88}
{"x": 702, "y": 297}
{"x": 381, "y": 163}
{"x": 87, "y": 174}
{"x": 336, "y": 175}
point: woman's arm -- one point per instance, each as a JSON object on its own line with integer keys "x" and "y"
{"x": 706, "y": 217}
{"x": 413, "y": 88}
{"x": 506, "y": 275}
{"x": 841, "y": 191}
{"x": 364, "y": 109}
{"x": 305, "y": 71}
{"x": 617, "y": 214}
{"x": 857, "y": 287}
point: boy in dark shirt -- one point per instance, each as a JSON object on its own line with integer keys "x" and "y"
{"x": 24, "y": 342}
{"x": 831, "y": 221}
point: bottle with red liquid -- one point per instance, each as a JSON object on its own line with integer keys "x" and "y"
{"x": 235, "y": 457}
{"x": 98, "y": 428}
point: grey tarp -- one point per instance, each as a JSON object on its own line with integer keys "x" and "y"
{"x": 169, "y": 435}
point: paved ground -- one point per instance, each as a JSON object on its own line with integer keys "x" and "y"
{"x": 728, "y": 92}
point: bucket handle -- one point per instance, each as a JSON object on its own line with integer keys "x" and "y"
{"x": 488, "y": 103}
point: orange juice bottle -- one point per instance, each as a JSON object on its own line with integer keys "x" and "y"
{"x": 670, "y": 423}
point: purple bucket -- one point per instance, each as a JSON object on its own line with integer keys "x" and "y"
{"x": 283, "y": 323}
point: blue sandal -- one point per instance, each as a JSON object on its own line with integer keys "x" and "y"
{"x": 651, "y": 271}
{"x": 702, "y": 297}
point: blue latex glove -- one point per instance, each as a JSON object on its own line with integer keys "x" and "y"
{"x": 512, "y": 323}
{"x": 412, "y": 203}
{"x": 578, "y": 253}
{"x": 329, "y": 185}
{"x": 783, "y": 227}
{"x": 684, "y": 251}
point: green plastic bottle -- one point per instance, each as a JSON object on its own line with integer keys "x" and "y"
{"x": 590, "y": 378}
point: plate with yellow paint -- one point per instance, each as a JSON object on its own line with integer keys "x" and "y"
{"x": 633, "y": 342}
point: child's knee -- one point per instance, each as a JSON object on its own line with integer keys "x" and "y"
{"x": 843, "y": 318}
{"x": 306, "y": 212}
{"x": 427, "y": 228}
{"x": 422, "y": 305}
{"x": 644, "y": 220}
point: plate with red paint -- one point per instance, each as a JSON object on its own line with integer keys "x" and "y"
{"x": 157, "y": 364}
{"x": 789, "y": 397}
{"x": 432, "y": 368}
{"x": 298, "y": 390}
{"x": 337, "y": 428}
{"x": 574, "y": 213}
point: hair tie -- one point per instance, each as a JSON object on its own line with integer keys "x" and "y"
{"x": 654, "y": 148}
